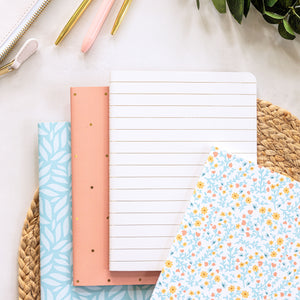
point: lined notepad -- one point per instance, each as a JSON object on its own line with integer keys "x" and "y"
{"x": 162, "y": 125}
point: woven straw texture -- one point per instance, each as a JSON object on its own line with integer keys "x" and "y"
{"x": 278, "y": 145}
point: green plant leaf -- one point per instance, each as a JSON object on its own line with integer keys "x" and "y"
{"x": 272, "y": 18}
{"x": 259, "y": 5}
{"x": 285, "y": 30}
{"x": 236, "y": 8}
{"x": 270, "y": 3}
{"x": 286, "y": 3}
{"x": 246, "y": 7}
{"x": 198, "y": 3}
{"x": 294, "y": 20}
{"x": 220, "y": 5}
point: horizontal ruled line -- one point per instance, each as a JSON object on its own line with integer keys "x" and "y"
{"x": 181, "y": 81}
{"x": 177, "y": 105}
{"x": 186, "y": 129}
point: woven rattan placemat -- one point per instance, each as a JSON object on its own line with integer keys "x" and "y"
{"x": 278, "y": 145}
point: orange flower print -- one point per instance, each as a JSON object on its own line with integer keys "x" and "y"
{"x": 245, "y": 294}
{"x": 203, "y": 274}
{"x": 204, "y": 210}
{"x": 273, "y": 254}
{"x": 276, "y": 216}
{"x": 255, "y": 268}
{"x": 197, "y": 223}
{"x": 235, "y": 196}
{"x": 172, "y": 289}
{"x": 200, "y": 185}
{"x": 262, "y": 210}
{"x": 179, "y": 237}
{"x": 168, "y": 264}
{"x": 231, "y": 288}
{"x": 280, "y": 241}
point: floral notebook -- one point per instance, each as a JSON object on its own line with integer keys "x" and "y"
{"x": 239, "y": 238}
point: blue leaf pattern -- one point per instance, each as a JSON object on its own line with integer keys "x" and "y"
{"x": 56, "y": 223}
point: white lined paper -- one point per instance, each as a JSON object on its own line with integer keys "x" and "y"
{"x": 162, "y": 126}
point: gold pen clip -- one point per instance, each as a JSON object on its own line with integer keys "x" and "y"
{"x": 6, "y": 68}
{"x": 24, "y": 53}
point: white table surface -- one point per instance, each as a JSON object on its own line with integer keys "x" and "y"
{"x": 156, "y": 35}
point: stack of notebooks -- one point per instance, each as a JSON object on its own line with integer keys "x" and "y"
{"x": 115, "y": 185}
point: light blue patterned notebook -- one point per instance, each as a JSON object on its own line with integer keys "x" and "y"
{"x": 56, "y": 223}
{"x": 240, "y": 236}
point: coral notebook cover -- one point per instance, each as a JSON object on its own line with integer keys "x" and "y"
{"x": 90, "y": 180}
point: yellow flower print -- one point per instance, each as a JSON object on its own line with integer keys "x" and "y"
{"x": 248, "y": 200}
{"x": 198, "y": 223}
{"x": 262, "y": 210}
{"x": 273, "y": 254}
{"x": 168, "y": 264}
{"x": 280, "y": 241}
{"x": 163, "y": 291}
{"x": 237, "y": 204}
{"x": 195, "y": 211}
{"x": 276, "y": 216}
{"x": 216, "y": 165}
{"x": 231, "y": 288}
{"x": 286, "y": 190}
{"x": 198, "y": 292}
{"x": 271, "y": 242}
{"x": 206, "y": 283}
{"x": 250, "y": 257}
{"x": 200, "y": 185}
{"x": 269, "y": 209}
{"x": 272, "y": 186}
{"x": 245, "y": 294}
{"x": 281, "y": 179}
{"x": 222, "y": 214}
{"x": 270, "y": 198}
{"x": 217, "y": 278}
{"x": 235, "y": 196}
{"x": 179, "y": 237}
{"x": 203, "y": 274}
{"x": 269, "y": 222}
{"x": 191, "y": 293}
{"x": 238, "y": 288}
{"x": 210, "y": 159}
{"x": 255, "y": 268}
{"x": 204, "y": 210}
{"x": 172, "y": 289}
{"x": 298, "y": 245}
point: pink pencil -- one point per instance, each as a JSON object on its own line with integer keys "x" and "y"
{"x": 96, "y": 25}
